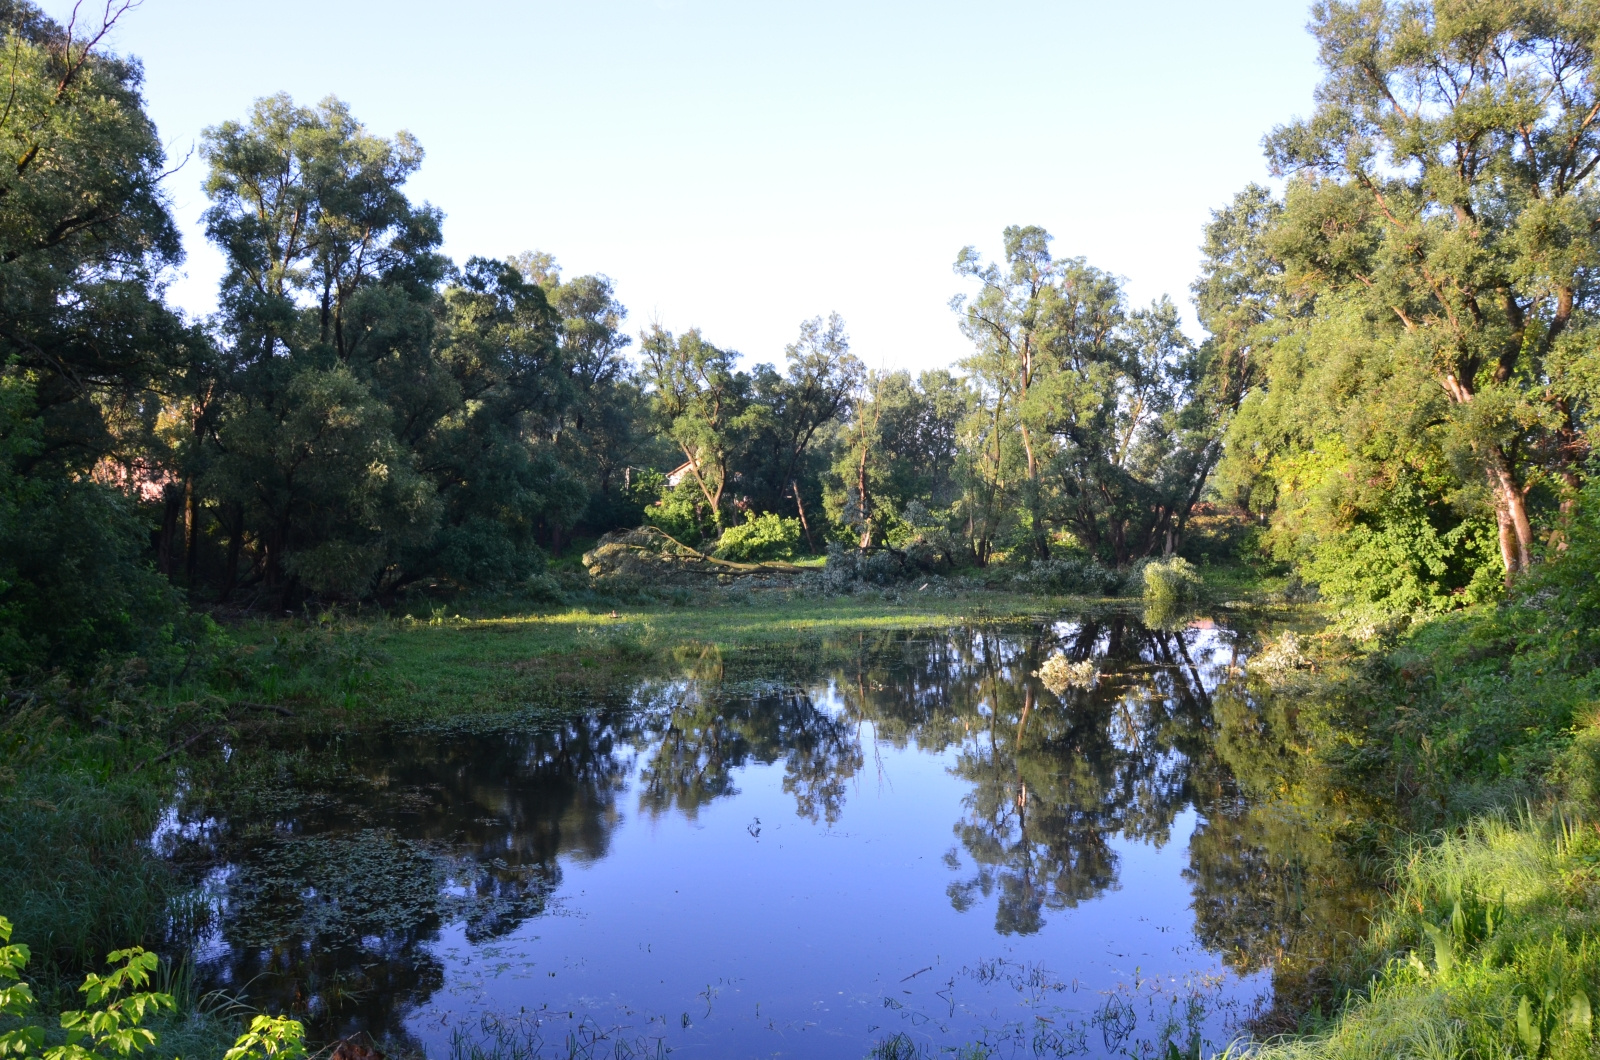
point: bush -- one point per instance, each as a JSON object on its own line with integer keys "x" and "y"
{"x": 1170, "y": 581}
{"x": 759, "y": 537}
{"x": 681, "y": 512}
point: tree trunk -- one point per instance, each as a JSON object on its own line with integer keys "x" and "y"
{"x": 1511, "y": 508}
{"x": 191, "y": 547}
{"x": 1511, "y": 512}
{"x": 167, "y": 543}
{"x": 235, "y": 546}
{"x": 862, "y": 498}
{"x": 795, "y": 486}
{"x": 1041, "y": 540}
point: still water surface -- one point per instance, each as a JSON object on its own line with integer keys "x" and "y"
{"x": 914, "y": 843}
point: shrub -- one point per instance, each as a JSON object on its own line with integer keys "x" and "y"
{"x": 118, "y": 1005}
{"x": 1170, "y": 581}
{"x": 759, "y": 537}
{"x": 680, "y": 511}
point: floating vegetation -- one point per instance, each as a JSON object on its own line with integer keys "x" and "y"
{"x": 1059, "y": 675}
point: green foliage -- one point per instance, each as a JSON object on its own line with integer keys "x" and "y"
{"x": 900, "y": 451}
{"x": 270, "y": 1038}
{"x": 759, "y": 537}
{"x": 1410, "y": 314}
{"x": 117, "y": 1007}
{"x": 682, "y": 511}
{"x": 705, "y": 404}
{"x": 1487, "y": 948}
{"x": 75, "y": 585}
{"x": 16, "y": 998}
{"x": 1170, "y": 581}
{"x": 1096, "y": 417}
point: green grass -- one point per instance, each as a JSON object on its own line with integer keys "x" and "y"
{"x": 485, "y": 663}
{"x": 1490, "y": 947}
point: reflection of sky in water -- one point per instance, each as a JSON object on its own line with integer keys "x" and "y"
{"x": 767, "y": 933}
{"x": 927, "y": 842}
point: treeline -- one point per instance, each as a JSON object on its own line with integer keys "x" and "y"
{"x": 363, "y": 417}
{"x": 1395, "y": 383}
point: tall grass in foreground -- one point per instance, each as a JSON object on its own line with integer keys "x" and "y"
{"x": 1490, "y": 948}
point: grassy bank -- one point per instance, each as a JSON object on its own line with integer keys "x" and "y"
{"x": 1468, "y": 746}
{"x": 1490, "y": 947}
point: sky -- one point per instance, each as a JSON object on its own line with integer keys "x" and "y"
{"x": 743, "y": 165}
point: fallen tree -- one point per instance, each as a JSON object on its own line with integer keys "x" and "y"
{"x": 650, "y": 552}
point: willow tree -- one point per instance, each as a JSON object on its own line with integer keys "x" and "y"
{"x": 704, "y": 404}
{"x": 1444, "y": 187}
{"x": 1110, "y": 411}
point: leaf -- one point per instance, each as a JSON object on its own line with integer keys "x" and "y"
{"x": 1527, "y": 1029}
{"x": 1579, "y": 1014}
{"x": 1444, "y": 957}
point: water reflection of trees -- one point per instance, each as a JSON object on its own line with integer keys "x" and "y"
{"x": 346, "y": 858}
{"x": 694, "y": 742}
{"x": 335, "y": 861}
{"x": 1054, "y": 779}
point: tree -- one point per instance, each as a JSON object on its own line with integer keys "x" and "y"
{"x": 496, "y": 458}
{"x": 705, "y": 405}
{"x": 822, "y": 378}
{"x": 1010, "y": 323}
{"x": 1110, "y": 407}
{"x": 90, "y": 358}
{"x": 328, "y": 306}
{"x": 605, "y": 427}
{"x": 1444, "y": 186}
{"x": 898, "y": 448}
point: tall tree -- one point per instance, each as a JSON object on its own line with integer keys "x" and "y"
{"x": 1009, "y": 322}
{"x": 1104, "y": 403}
{"x": 328, "y": 305}
{"x": 815, "y": 391}
{"x": 605, "y": 429}
{"x": 90, "y": 358}
{"x": 1445, "y": 185}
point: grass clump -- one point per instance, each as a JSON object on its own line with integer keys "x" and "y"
{"x": 1490, "y": 946}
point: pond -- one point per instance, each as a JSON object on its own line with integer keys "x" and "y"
{"x": 908, "y": 843}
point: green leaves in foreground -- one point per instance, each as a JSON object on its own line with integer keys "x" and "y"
{"x": 270, "y": 1038}
{"x": 117, "y": 1006}
{"x": 15, "y": 996}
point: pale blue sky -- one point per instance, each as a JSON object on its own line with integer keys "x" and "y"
{"x": 744, "y": 165}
